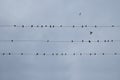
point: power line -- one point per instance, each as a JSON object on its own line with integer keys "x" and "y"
{"x": 63, "y": 41}
{"x": 60, "y": 26}
{"x": 59, "y": 54}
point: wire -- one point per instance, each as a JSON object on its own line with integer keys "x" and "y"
{"x": 59, "y": 54}
{"x": 70, "y": 41}
{"x": 53, "y": 26}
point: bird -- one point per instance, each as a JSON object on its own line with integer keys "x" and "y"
{"x": 60, "y": 25}
{"x": 89, "y": 41}
{"x": 113, "y": 26}
{"x": 9, "y": 54}
{"x": 61, "y": 53}
{"x": 14, "y": 25}
{"x": 73, "y": 53}
{"x": 11, "y": 40}
{"x": 73, "y": 26}
{"x": 115, "y": 53}
{"x": 23, "y": 26}
{"x": 94, "y": 53}
{"x": 80, "y": 53}
{"x": 90, "y": 54}
{"x": 80, "y": 14}
{"x": 21, "y": 53}
{"x": 72, "y": 41}
{"x": 52, "y": 53}
{"x": 95, "y": 26}
{"x": 3, "y": 54}
{"x": 82, "y": 26}
{"x": 31, "y": 25}
{"x": 47, "y": 40}
{"x": 91, "y": 32}
{"x": 44, "y": 54}
{"x": 56, "y": 53}
{"x": 103, "y": 53}
{"x": 97, "y": 40}
{"x": 37, "y": 26}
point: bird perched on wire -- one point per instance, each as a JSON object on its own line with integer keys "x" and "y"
{"x": 91, "y": 32}
{"x": 80, "y": 14}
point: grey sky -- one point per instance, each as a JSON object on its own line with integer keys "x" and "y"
{"x": 57, "y": 12}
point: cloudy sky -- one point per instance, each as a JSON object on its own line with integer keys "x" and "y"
{"x": 59, "y": 12}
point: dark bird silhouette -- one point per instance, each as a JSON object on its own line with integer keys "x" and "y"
{"x": 82, "y": 26}
{"x": 23, "y": 26}
{"x": 72, "y": 41}
{"x": 9, "y": 53}
{"x": 21, "y": 53}
{"x": 3, "y": 54}
{"x": 31, "y": 25}
{"x": 14, "y": 25}
{"x": 91, "y": 32}
{"x": 89, "y": 41}
{"x": 80, "y": 14}
{"x": 113, "y": 26}
{"x": 11, "y": 40}
{"x": 60, "y": 25}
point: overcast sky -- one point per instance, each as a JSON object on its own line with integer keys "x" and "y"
{"x": 59, "y": 12}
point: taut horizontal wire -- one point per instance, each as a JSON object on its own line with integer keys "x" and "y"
{"x": 69, "y": 41}
{"x": 59, "y": 54}
{"x": 53, "y": 26}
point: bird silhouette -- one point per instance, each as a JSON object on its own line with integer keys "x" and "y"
{"x": 80, "y": 14}
{"x": 91, "y": 32}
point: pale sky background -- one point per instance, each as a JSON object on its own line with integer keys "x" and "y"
{"x": 57, "y": 12}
